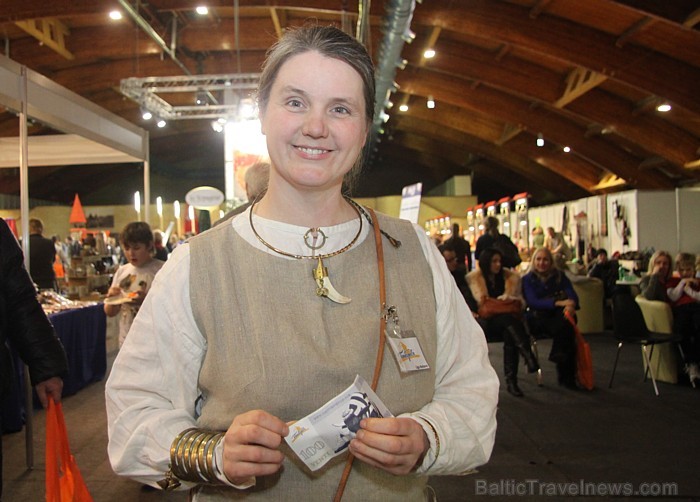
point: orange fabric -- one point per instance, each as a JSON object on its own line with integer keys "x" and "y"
{"x": 58, "y": 268}
{"x": 64, "y": 483}
{"x": 584, "y": 360}
{"x": 77, "y": 215}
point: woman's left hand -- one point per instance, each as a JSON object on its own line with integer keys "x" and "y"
{"x": 392, "y": 444}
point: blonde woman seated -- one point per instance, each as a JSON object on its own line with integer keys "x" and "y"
{"x": 497, "y": 292}
{"x": 549, "y": 294}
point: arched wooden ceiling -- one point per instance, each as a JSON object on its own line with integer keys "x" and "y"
{"x": 583, "y": 74}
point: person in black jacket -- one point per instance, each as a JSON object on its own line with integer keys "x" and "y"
{"x": 24, "y": 324}
{"x": 42, "y": 254}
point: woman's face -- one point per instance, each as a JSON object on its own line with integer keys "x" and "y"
{"x": 314, "y": 122}
{"x": 662, "y": 265}
{"x": 542, "y": 263}
{"x": 496, "y": 264}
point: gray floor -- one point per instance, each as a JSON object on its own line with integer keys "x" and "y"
{"x": 550, "y": 443}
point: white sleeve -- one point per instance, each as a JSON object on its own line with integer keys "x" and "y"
{"x": 675, "y": 293}
{"x": 152, "y": 388}
{"x": 463, "y": 409}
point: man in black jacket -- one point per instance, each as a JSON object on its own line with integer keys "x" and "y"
{"x": 24, "y": 324}
{"x": 42, "y": 254}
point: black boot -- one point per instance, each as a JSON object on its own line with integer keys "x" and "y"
{"x": 510, "y": 369}
{"x": 566, "y": 374}
{"x": 522, "y": 343}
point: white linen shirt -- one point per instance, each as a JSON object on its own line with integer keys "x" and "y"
{"x": 152, "y": 389}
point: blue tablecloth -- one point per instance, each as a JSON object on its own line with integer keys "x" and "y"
{"x": 83, "y": 334}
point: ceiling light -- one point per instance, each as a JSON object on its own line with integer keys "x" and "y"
{"x": 217, "y": 126}
{"x": 161, "y": 123}
{"x": 540, "y": 140}
{"x": 200, "y": 98}
{"x": 115, "y": 15}
{"x": 145, "y": 114}
{"x": 403, "y": 108}
{"x": 202, "y": 10}
{"x": 429, "y": 53}
{"x": 430, "y": 103}
{"x": 567, "y": 149}
{"x": 663, "y": 108}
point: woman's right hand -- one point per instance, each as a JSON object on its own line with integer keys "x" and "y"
{"x": 568, "y": 304}
{"x": 251, "y": 446}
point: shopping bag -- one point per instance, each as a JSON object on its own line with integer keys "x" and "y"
{"x": 64, "y": 483}
{"x": 584, "y": 360}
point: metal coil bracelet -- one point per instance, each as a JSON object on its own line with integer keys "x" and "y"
{"x": 192, "y": 458}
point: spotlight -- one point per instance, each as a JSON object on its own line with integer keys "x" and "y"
{"x": 145, "y": 114}
{"x": 403, "y": 108}
{"x": 429, "y": 54}
{"x": 540, "y": 140}
{"x": 567, "y": 149}
{"x": 161, "y": 123}
{"x": 663, "y": 108}
{"x": 217, "y": 126}
{"x": 200, "y": 98}
{"x": 115, "y": 15}
{"x": 431, "y": 102}
{"x": 202, "y": 10}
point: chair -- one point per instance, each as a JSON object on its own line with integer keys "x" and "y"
{"x": 659, "y": 319}
{"x": 629, "y": 327}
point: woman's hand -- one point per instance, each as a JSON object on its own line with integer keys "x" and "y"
{"x": 569, "y": 305}
{"x": 251, "y": 446}
{"x": 392, "y": 444}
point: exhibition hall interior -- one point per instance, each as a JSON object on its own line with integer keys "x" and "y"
{"x": 565, "y": 126}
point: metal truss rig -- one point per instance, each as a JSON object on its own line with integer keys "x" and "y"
{"x": 233, "y": 89}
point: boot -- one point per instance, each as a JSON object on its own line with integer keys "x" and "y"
{"x": 566, "y": 374}
{"x": 510, "y": 369}
{"x": 522, "y": 343}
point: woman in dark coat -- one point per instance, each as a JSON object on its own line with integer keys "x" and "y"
{"x": 493, "y": 281}
{"x": 549, "y": 293}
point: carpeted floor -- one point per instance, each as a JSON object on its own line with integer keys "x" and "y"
{"x": 551, "y": 444}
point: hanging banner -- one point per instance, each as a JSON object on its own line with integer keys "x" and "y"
{"x": 410, "y": 202}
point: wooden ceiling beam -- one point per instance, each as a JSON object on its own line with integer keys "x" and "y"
{"x": 50, "y": 32}
{"x": 511, "y": 109}
{"x": 562, "y": 39}
{"x": 533, "y": 82}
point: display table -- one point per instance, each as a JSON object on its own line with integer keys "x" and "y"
{"x": 82, "y": 332}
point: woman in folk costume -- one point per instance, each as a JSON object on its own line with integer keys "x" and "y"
{"x": 492, "y": 281}
{"x": 257, "y": 323}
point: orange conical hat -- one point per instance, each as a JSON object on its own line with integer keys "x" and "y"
{"x": 77, "y": 215}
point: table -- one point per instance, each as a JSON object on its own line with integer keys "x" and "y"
{"x": 83, "y": 334}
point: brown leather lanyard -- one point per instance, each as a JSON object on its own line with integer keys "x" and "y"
{"x": 380, "y": 349}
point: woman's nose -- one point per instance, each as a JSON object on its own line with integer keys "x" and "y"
{"x": 315, "y": 124}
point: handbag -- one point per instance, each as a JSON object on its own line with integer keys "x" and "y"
{"x": 584, "y": 360}
{"x": 491, "y": 306}
{"x": 64, "y": 483}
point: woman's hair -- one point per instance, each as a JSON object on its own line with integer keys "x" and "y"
{"x": 685, "y": 260}
{"x": 330, "y": 42}
{"x": 136, "y": 232}
{"x": 656, "y": 256}
{"x": 491, "y": 225}
{"x": 485, "y": 260}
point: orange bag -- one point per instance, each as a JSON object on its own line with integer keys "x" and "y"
{"x": 584, "y": 360}
{"x": 64, "y": 483}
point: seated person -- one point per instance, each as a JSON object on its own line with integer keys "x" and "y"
{"x": 653, "y": 285}
{"x": 607, "y": 271}
{"x": 683, "y": 293}
{"x": 459, "y": 275}
{"x": 492, "y": 280}
{"x": 549, "y": 293}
